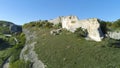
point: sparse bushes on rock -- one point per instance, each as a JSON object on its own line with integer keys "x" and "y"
{"x": 40, "y": 24}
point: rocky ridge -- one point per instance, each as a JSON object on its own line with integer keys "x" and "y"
{"x": 28, "y": 53}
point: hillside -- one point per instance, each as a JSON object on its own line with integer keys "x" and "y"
{"x": 42, "y": 44}
{"x": 68, "y": 50}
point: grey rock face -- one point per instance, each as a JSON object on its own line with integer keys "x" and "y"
{"x": 15, "y": 28}
{"x": 114, "y": 35}
{"x": 28, "y": 53}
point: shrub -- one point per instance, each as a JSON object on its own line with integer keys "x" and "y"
{"x": 43, "y": 24}
{"x": 80, "y": 32}
{"x": 116, "y": 24}
{"x": 59, "y": 25}
{"x": 15, "y": 55}
{"x": 48, "y": 25}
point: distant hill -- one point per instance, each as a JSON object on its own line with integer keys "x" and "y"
{"x": 9, "y": 27}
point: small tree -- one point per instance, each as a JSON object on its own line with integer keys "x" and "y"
{"x": 80, "y": 32}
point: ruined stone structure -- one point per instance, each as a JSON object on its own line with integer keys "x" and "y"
{"x": 71, "y": 23}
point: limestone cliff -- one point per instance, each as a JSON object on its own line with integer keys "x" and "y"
{"x": 71, "y": 23}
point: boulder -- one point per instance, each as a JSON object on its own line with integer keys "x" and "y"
{"x": 114, "y": 35}
{"x": 55, "y": 32}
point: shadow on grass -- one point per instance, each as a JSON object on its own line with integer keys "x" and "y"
{"x": 115, "y": 44}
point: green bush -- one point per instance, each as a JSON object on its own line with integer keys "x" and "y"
{"x": 80, "y": 32}
{"x": 109, "y": 26}
{"x": 59, "y": 25}
{"x": 15, "y": 55}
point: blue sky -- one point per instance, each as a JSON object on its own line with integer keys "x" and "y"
{"x": 24, "y": 11}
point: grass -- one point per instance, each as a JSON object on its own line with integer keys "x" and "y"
{"x": 20, "y": 64}
{"x": 4, "y": 54}
{"x": 69, "y": 51}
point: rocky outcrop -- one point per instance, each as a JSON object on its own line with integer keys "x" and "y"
{"x": 15, "y": 28}
{"x": 114, "y": 35}
{"x": 28, "y": 53}
{"x": 92, "y": 25}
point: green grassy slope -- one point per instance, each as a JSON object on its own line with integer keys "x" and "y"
{"x": 69, "y": 51}
{"x": 9, "y": 49}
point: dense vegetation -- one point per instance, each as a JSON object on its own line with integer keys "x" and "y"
{"x": 11, "y": 45}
